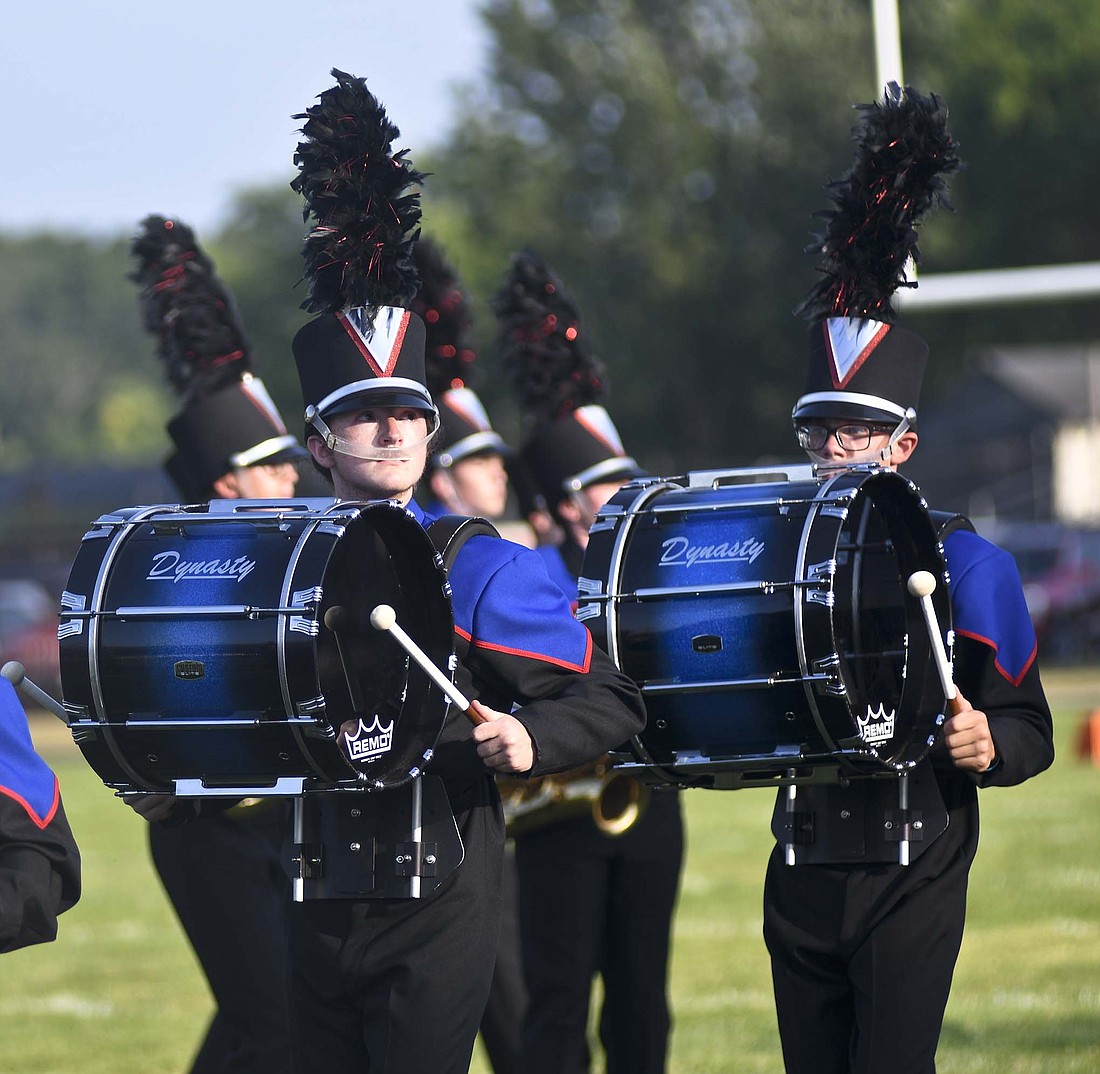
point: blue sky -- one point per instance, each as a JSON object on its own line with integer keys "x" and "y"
{"x": 126, "y": 107}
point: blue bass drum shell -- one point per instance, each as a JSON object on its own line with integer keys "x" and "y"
{"x": 767, "y": 619}
{"x": 230, "y": 646}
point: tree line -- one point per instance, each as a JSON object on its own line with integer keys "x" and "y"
{"x": 667, "y": 159}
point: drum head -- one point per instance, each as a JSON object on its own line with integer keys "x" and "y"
{"x": 893, "y": 699}
{"x": 387, "y": 713}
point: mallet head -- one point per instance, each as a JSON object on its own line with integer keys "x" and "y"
{"x": 383, "y": 617}
{"x": 922, "y": 583}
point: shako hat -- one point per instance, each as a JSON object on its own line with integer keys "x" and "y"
{"x": 465, "y": 429}
{"x": 227, "y": 419}
{"x": 862, "y": 365}
{"x": 560, "y": 385}
{"x": 366, "y": 340}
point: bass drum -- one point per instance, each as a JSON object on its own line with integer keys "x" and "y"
{"x": 227, "y": 649}
{"x": 766, "y": 618}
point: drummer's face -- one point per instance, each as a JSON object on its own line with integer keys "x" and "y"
{"x": 832, "y": 454}
{"x": 399, "y": 434}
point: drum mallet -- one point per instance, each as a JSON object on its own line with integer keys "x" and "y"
{"x": 16, "y": 674}
{"x": 385, "y": 618}
{"x": 922, "y": 584}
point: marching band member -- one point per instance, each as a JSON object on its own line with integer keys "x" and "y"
{"x": 220, "y": 866}
{"x": 39, "y": 859}
{"x": 466, "y": 476}
{"x": 590, "y": 901}
{"x": 395, "y": 984}
{"x": 863, "y": 947}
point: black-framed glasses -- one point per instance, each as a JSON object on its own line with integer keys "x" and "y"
{"x": 853, "y": 437}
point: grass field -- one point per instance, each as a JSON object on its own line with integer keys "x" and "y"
{"x": 120, "y": 991}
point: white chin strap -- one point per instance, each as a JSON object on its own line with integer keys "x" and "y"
{"x": 369, "y": 453}
{"x": 903, "y": 427}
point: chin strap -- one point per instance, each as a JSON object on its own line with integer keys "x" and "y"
{"x": 903, "y": 427}
{"x": 378, "y": 454}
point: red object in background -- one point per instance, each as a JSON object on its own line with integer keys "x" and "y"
{"x": 1060, "y": 570}
{"x": 28, "y": 631}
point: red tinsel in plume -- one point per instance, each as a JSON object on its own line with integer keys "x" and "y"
{"x": 548, "y": 359}
{"x": 903, "y": 157}
{"x": 359, "y": 251}
{"x": 187, "y": 308}
{"x": 441, "y": 303}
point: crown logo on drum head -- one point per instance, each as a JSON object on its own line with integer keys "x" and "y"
{"x": 877, "y": 726}
{"x": 367, "y": 743}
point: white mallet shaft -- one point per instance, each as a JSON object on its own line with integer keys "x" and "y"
{"x": 385, "y": 618}
{"x": 922, "y": 584}
{"x": 16, "y": 674}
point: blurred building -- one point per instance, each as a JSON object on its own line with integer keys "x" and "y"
{"x": 1016, "y": 447}
{"x": 1018, "y": 438}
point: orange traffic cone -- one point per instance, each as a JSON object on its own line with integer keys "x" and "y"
{"x": 1088, "y": 738}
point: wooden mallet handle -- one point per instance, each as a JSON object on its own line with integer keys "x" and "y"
{"x": 385, "y": 618}
{"x": 922, "y": 584}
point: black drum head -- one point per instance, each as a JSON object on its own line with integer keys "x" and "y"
{"x": 386, "y": 712}
{"x": 894, "y": 696}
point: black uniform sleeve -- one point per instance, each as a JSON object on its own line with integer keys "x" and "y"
{"x": 1018, "y": 713}
{"x": 39, "y": 874}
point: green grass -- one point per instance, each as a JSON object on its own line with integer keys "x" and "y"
{"x": 120, "y": 989}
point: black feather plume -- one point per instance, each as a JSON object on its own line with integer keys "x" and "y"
{"x": 442, "y": 306}
{"x": 187, "y": 308}
{"x": 549, "y": 361}
{"x": 903, "y": 157}
{"x": 359, "y": 249}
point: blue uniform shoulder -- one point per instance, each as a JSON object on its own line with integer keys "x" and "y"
{"x": 503, "y": 599}
{"x": 987, "y": 601}
{"x": 559, "y": 573}
{"x": 24, "y": 777}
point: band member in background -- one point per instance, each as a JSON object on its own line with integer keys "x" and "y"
{"x": 400, "y": 984}
{"x": 863, "y": 948}
{"x": 466, "y": 476}
{"x": 39, "y": 860}
{"x": 590, "y": 901}
{"x": 220, "y": 862}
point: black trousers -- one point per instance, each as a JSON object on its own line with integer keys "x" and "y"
{"x": 502, "y": 1022}
{"x": 592, "y": 903}
{"x": 862, "y": 960}
{"x": 398, "y": 986}
{"x": 223, "y": 876}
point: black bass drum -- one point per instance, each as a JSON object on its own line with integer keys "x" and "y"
{"x": 227, "y": 649}
{"x": 766, "y": 617}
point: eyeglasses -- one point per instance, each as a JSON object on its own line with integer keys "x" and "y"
{"x": 855, "y": 437}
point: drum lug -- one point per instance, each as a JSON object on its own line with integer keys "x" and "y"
{"x": 72, "y": 605}
{"x": 826, "y": 664}
{"x": 824, "y": 570}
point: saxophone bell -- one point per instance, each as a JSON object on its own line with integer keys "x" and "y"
{"x": 614, "y": 801}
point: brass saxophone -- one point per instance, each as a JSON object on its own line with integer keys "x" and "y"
{"x": 615, "y": 800}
